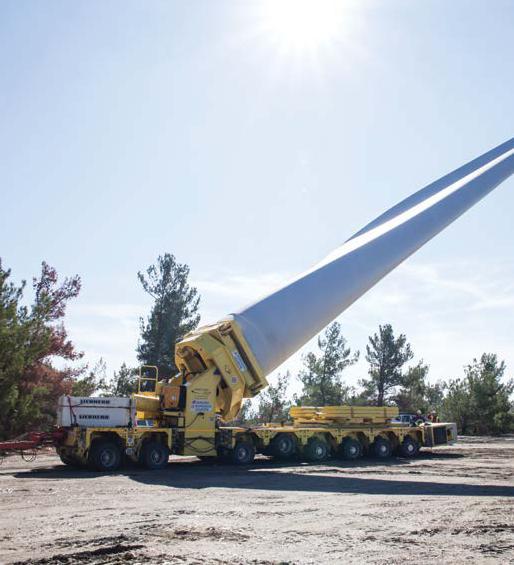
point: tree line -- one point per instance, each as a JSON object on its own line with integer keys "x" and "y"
{"x": 479, "y": 401}
{"x": 38, "y": 362}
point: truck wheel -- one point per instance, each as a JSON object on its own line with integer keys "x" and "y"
{"x": 409, "y": 447}
{"x": 105, "y": 456}
{"x": 351, "y": 448}
{"x": 316, "y": 450}
{"x": 70, "y": 461}
{"x": 243, "y": 453}
{"x": 154, "y": 455}
{"x": 283, "y": 446}
{"x": 382, "y": 448}
{"x": 224, "y": 454}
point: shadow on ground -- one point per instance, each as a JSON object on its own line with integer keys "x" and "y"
{"x": 272, "y": 476}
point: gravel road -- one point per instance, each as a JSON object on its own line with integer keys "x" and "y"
{"x": 453, "y": 505}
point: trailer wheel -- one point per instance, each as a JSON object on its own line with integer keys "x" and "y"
{"x": 351, "y": 448}
{"x": 105, "y": 456}
{"x": 243, "y": 453}
{"x": 29, "y": 455}
{"x": 382, "y": 448}
{"x": 69, "y": 461}
{"x": 154, "y": 455}
{"x": 409, "y": 447}
{"x": 283, "y": 446}
{"x": 66, "y": 460}
{"x": 316, "y": 450}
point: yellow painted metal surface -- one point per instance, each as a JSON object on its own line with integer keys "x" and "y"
{"x": 334, "y": 435}
{"x": 219, "y": 357}
{"x": 78, "y": 440}
{"x": 343, "y": 414}
{"x": 147, "y": 405}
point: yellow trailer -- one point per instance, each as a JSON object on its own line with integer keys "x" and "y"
{"x": 187, "y": 415}
{"x": 315, "y": 437}
{"x": 104, "y": 448}
{"x": 315, "y": 433}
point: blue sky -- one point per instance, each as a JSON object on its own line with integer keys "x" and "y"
{"x": 250, "y": 144}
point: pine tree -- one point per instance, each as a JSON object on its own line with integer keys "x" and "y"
{"x": 124, "y": 382}
{"x": 416, "y": 393}
{"x": 456, "y": 405}
{"x": 386, "y": 356}
{"x": 321, "y": 377}
{"x": 480, "y": 402}
{"x": 273, "y": 402}
{"x": 174, "y": 312}
{"x": 490, "y": 405}
{"x": 31, "y": 339}
{"x": 93, "y": 381}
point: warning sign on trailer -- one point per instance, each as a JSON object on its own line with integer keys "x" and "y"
{"x": 201, "y": 406}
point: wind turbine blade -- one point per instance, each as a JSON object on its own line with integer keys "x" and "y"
{"x": 438, "y": 185}
{"x": 279, "y": 324}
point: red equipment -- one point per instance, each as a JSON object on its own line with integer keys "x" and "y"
{"x": 27, "y": 444}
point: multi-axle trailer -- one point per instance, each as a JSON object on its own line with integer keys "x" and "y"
{"x": 316, "y": 434}
{"x": 222, "y": 364}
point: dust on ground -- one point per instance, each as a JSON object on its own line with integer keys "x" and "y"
{"x": 452, "y": 504}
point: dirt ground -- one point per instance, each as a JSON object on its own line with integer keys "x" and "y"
{"x": 453, "y": 505}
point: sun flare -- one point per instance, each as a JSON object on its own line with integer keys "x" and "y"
{"x": 300, "y": 26}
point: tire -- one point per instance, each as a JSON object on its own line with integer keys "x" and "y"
{"x": 224, "y": 455}
{"x": 316, "y": 450}
{"x": 409, "y": 447}
{"x": 154, "y": 455}
{"x": 70, "y": 461}
{"x": 382, "y": 448}
{"x": 283, "y": 446}
{"x": 105, "y": 456}
{"x": 243, "y": 453}
{"x": 351, "y": 448}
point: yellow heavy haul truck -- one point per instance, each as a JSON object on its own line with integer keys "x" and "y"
{"x": 222, "y": 364}
{"x": 185, "y": 416}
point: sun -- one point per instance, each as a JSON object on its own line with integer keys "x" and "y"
{"x": 302, "y": 26}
